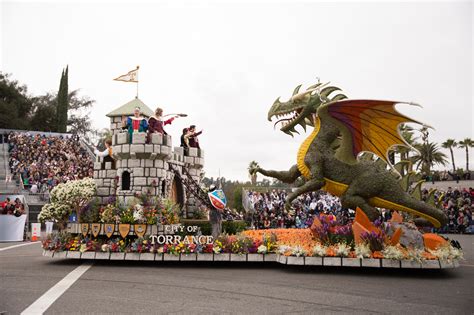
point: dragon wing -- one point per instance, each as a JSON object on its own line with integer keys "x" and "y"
{"x": 367, "y": 125}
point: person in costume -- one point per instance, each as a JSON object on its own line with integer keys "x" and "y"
{"x": 185, "y": 140}
{"x": 193, "y": 137}
{"x": 107, "y": 153}
{"x": 135, "y": 123}
{"x": 155, "y": 124}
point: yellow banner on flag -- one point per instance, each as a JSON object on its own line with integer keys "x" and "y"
{"x": 131, "y": 76}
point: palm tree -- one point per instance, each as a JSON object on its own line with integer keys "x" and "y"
{"x": 404, "y": 151}
{"x": 253, "y": 175}
{"x": 450, "y": 144}
{"x": 466, "y": 144}
{"x": 428, "y": 155}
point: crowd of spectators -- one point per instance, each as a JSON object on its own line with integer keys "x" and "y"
{"x": 43, "y": 161}
{"x": 458, "y": 205}
{"x": 269, "y": 209}
{"x": 11, "y": 207}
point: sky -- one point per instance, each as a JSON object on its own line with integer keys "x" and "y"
{"x": 224, "y": 64}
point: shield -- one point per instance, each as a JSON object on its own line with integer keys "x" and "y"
{"x": 218, "y": 199}
{"x": 124, "y": 229}
{"x": 95, "y": 229}
{"x": 140, "y": 229}
{"x": 109, "y": 229}
{"x": 84, "y": 229}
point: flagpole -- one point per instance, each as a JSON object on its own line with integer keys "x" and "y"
{"x": 137, "y": 81}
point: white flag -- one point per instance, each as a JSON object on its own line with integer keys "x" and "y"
{"x": 131, "y": 76}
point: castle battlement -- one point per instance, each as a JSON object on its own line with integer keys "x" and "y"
{"x": 139, "y": 167}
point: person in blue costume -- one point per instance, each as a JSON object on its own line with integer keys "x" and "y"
{"x": 135, "y": 123}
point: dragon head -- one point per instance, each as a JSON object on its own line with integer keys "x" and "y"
{"x": 301, "y": 107}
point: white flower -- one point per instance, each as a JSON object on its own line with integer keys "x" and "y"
{"x": 104, "y": 248}
{"x": 319, "y": 250}
{"x": 392, "y": 252}
{"x": 363, "y": 250}
{"x": 262, "y": 249}
{"x": 447, "y": 253}
{"x": 282, "y": 249}
{"x": 343, "y": 250}
{"x": 298, "y": 251}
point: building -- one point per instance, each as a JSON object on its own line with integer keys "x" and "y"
{"x": 141, "y": 167}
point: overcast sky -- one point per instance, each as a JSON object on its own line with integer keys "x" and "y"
{"x": 225, "y": 64}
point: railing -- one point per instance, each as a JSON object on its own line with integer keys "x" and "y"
{"x": 88, "y": 149}
{"x": 47, "y": 133}
{"x": 37, "y": 198}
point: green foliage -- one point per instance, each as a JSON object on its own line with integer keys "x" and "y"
{"x": 450, "y": 144}
{"x": 466, "y": 144}
{"x": 62, "y": 102}
{"x": 238, "y": 199}
{"x": 204, "y": 225}
{"x": 18, "y": 110}
{"x": 15, "y": 104}
{"x": 199, "y": 214}
{"x": 169, "y": 213}
{"x": 233, "y": 227}
{"x": 126, "y": 216}
{"x": 428, "y": 155}
{"x": 90, "y": 213}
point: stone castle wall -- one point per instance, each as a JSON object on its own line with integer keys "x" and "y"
{"x": 148, "y": 167}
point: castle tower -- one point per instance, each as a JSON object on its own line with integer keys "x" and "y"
{"x": 141, "y": 166}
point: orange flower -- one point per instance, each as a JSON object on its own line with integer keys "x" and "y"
{"x": 429, "y": 256}
{"x": 331, "y": 252}
{"x": 377, "y": 254}
{"x": 289, "y": 237}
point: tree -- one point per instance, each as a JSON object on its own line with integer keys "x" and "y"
{"x": 78, "y": 122}
{"x": 428, "y": 155}
{"x": 253, "y": 175}
{"x": 102, "y": 136}
{"x": 68, "y": 197}
{"x": 62, "y": 102}
{"x": 450, "y": 144}
{"x": 404, "y": 151}
{"x": 43, "y": 115}
{"x": 15, "y": 104}
{"x": 466, "y": 144}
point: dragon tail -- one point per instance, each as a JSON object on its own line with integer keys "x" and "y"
{"x": 410, "y": 204}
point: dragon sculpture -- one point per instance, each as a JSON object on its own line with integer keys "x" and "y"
{"x": 330, "y": 157}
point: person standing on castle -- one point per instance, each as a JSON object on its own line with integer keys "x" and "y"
{"x": 155, "y": 124}
{"x": 193, "y": 137}
{"x": 107, "y": 153}
{"x": 135, "y": 123}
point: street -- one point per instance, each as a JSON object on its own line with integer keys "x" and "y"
{"x": 140, "y": 287}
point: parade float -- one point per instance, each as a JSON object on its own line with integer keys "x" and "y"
{"x": 137, "y": 206}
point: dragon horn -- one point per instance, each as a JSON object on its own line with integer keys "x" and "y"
{"x": 300, "y": 95}
{"x": 296, "y": 90}
{"x": 314, "y": 86}
{"x": 309, "y": 90}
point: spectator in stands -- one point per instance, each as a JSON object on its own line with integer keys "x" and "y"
{"x": 44, "y": 161}
{"x": 269, "y": 211}
{"x": 15, "y": 208}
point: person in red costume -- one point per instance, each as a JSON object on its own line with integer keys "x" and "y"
{"x": 155, "y": 124}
